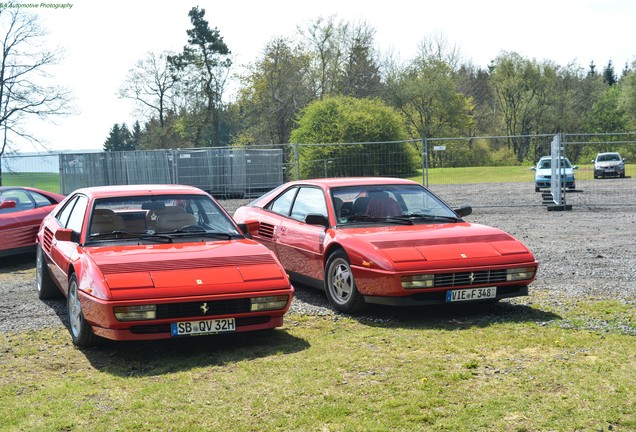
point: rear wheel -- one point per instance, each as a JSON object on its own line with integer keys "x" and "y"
{"x": 81, "y": 332}
{"x": 339, "y": 284}
{"x": 44, "y": 281}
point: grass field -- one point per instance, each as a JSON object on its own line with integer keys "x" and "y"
{"x": 45, "y": 181}
{"x": 468, "y": 175}
{"x": 519, "y": 366}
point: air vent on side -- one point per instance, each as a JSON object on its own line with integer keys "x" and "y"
{"x": 266, "y": 230}
{"x": 47, "y": 240}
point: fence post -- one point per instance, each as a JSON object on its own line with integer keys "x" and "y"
{"x": 297, "y": 160}
{"x": 425, "y": 161}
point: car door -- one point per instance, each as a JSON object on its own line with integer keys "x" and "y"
{"x": 300, "y": 245}
{"x": 20, "y": 224}
{"x": 71, "y": 216}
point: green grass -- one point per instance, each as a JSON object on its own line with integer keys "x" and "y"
{"x": 45, "y": 181}
{"x": 520, "y": 366}
{"x": 466, "y": 175}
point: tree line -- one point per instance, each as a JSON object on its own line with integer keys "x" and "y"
{"x": 332, "y": 73}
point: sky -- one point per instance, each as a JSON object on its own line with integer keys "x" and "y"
{"x": 103, "y": 39}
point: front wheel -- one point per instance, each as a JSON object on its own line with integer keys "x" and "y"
{"x": 81, "y": 332}
{"x": 339, "y": 284}
{"x": 43, "y": 280}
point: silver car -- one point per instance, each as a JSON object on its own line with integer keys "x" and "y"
{"x": 609, "y": 165}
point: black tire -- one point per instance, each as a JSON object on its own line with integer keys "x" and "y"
{"x": 44, "y": 282}
{"x": 536, "y": 189}
{"x": 340, "y": 286}
{"x": 81, "y": 332}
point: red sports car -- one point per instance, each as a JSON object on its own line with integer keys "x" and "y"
{"x": 387, "y": 241}
{"x": 153, "y": 262}
{"x": 21, "y": 212}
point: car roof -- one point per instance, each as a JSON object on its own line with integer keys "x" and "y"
{"x": 148, "y": 189}
{"x": 352, "y": 181}
{"x": 608, "y": 153}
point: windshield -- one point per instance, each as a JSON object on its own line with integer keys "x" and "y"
{"x": 399, "y": 203}
{"x": 547, "y": 163}
{"x": 609, "y": 157}
{"x": 165, "y": 216}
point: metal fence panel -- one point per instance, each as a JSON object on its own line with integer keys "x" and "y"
{"x": 455, "y": 168}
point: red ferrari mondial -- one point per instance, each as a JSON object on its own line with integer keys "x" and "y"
{"x": 153, "y": 262}
{"x": 387, "y": 241}
{"x": 21, "y": 212}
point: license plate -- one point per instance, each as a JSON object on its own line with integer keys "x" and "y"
{"x": 191, "y": 328}
{"x": 471, "y": 294}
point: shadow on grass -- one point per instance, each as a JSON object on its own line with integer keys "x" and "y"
{"x": 452, "y": 317}
{"x": 159, "y": 357}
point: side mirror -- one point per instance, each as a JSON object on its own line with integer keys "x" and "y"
{"x": 464, "y": 211}
{"x": 317, "y": 219}
{"x": 65, "y": 235}
{"x": 8, "y": 205}
{"x": 533, "y": 168}
{"x": 248, "y": 227}
{"x": 575, "y": 167}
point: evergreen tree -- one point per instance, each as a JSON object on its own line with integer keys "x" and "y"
{"x": 609, "y": 76}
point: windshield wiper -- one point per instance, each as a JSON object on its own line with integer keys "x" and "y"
{"x": 413, "y": 216}
{"x": 367, "y": 218}
{"x": 126, "y": 235}
{"x": 213, "y": 234}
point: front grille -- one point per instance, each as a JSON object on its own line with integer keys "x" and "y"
{"x": 195, "y": 309}
{"x": 489, "y": 277}
{"x": 165, "y": 328}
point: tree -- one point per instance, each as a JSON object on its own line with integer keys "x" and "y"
{"x": 151, "y": 84}
{"x": 524, "y": 89}
{"x": 119, "y": 139}
{"x": 427, "y": 93}
{"x": 274, "y": 91}
{"x": 349, "y": 122}
{"x": 609, "y": 76}
{"x": 202, "y": 69}
{"x": 23, "y": 64}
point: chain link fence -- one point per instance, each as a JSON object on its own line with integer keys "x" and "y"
{"x": 479, "y": 171}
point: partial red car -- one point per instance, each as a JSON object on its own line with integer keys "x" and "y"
{"x": 21, "y": 212}
{"x": 386, "y": 241}
{"x": 155, "y": 262}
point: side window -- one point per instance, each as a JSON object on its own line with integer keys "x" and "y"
{"x": 283, "y": 203}
{"x": 64, "y": 213}
{"x": 21, "y": 197}
{"x": 309, "y": 201}
{"x": 40, "y": 200}
{"x": 76, "y": 218}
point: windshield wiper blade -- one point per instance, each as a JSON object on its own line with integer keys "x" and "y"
{"x": 413, "y": 216}
{"x": 214, "y": 234}
{"x": 367, "y": 218}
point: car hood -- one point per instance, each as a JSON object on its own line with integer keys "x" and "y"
{"x": 172, "y": 269}
{"x": 443, "y": 245}
{"x": 548, "y": 171}
{"x": 608, "y": 164}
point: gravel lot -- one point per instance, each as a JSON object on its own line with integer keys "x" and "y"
{"x": 588, "y": 252}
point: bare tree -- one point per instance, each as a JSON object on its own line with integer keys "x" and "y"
{"x": 24, "y": 89}
{"x": 150, "y": 83}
